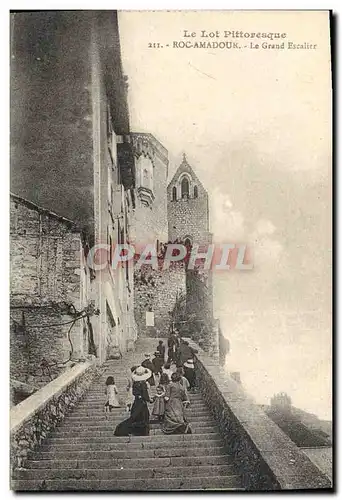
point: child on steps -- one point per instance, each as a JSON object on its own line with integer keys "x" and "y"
{"x": 112, "y": 395}
{"x": 159, "y": 403}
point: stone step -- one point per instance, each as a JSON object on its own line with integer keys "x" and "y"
{"x": 108, "y": 424}
{"x": 77, "y": 432}
{"x": 113, "y": 443}
{"x": 109, "y": 438}
{"x": 101, "y": 401}
{"x": 87, "y": 421}
{"x": 138, "y": 463}
{"x": 103, "y": 418}
{"x": 125, "y": 473}
{"x": 82, "y": 453}
{"x": 225, "y": 483}
{"x": 181, "y": 450}
{"x": 94, "y": 415}
{"x": 100, "y": 393}
{"x": 99, "y": 407}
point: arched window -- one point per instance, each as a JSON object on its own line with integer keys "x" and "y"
{"x": 174, "y": 193}
{"x": 188, "y": 243}
{"x": 185, "y": 188}
{"x": 195, "y": 192}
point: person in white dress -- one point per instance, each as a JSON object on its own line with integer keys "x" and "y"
{"x": 112, "y": 395}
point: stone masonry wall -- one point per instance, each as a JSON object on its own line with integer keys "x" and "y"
{"x": 43, "y": 338}
{"x": 34, "y": 418}
{"x": 157, "y": 291}
{"x": 199, "y": 305}
{"x": 45, "y": 291}
{"x": 188, "y": 218}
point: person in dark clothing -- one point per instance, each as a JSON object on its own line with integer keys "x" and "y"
{"x": 189, "y": 372}
{"x": 147, "y": 363}
{"x": 170, "y": 349}
{"x": 164, "y": 379}
{"x": 173, "y": 344}
{"x": 158, "y": 363}
{"x": 185, "y": 353}
{"x": 177, "y": 338}
{"x": 138, "y": 423}
{"x": 161, "y": 350}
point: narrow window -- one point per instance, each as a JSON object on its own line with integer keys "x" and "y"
{"x": 195, "y": 192}
{"x": 174, "y": 193}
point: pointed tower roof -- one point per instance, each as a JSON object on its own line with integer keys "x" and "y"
{"x": 186, "y": 167}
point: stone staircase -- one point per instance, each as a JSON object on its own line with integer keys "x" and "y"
{"x": 83, "y": 454}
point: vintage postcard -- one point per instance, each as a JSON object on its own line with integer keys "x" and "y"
{"x": 171, "y": 250}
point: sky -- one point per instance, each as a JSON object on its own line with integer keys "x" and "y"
{"x": 256, "y": 127}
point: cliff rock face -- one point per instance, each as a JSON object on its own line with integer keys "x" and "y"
{"x": 303, "y": 428}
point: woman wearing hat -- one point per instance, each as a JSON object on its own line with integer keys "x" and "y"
{"x": 189, "y": 372}
{"x": 138, "y": 423}
{"x": 147, "y": 363}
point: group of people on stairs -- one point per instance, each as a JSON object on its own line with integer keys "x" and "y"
{"x": 171, "y": 383}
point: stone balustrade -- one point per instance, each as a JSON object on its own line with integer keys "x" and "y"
{"x": 32, "y": 419}
{"x": 266, "y": 456}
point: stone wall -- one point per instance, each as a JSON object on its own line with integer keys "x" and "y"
{"x": 266, "y": 457}
{"x": 199, "y": 305}
{"x": 45, "y": 255}
{"x": 47, "y": 287}
{"x": 157, "y": 291}
{"x": 190, "y": 216}
{"x": 34, "y": 418}
{"x": 40, "y": 345}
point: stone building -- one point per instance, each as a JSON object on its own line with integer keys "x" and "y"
{"x": 158, "y": 293}
{"x": 155, "y": 290}
{"x": 150, "y": 220}
{"x": 71, "y": 150}
{"x": 188, "y": 220}
{"x": 187, "y": 207}
{"x": 51, "y": 313}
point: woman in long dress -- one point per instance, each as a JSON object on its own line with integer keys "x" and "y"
{"x": 130, "y": 397}
{"x": 176, "y": 398}
{"x": 138, "y": 423}
{"x": 189, "y": 373}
